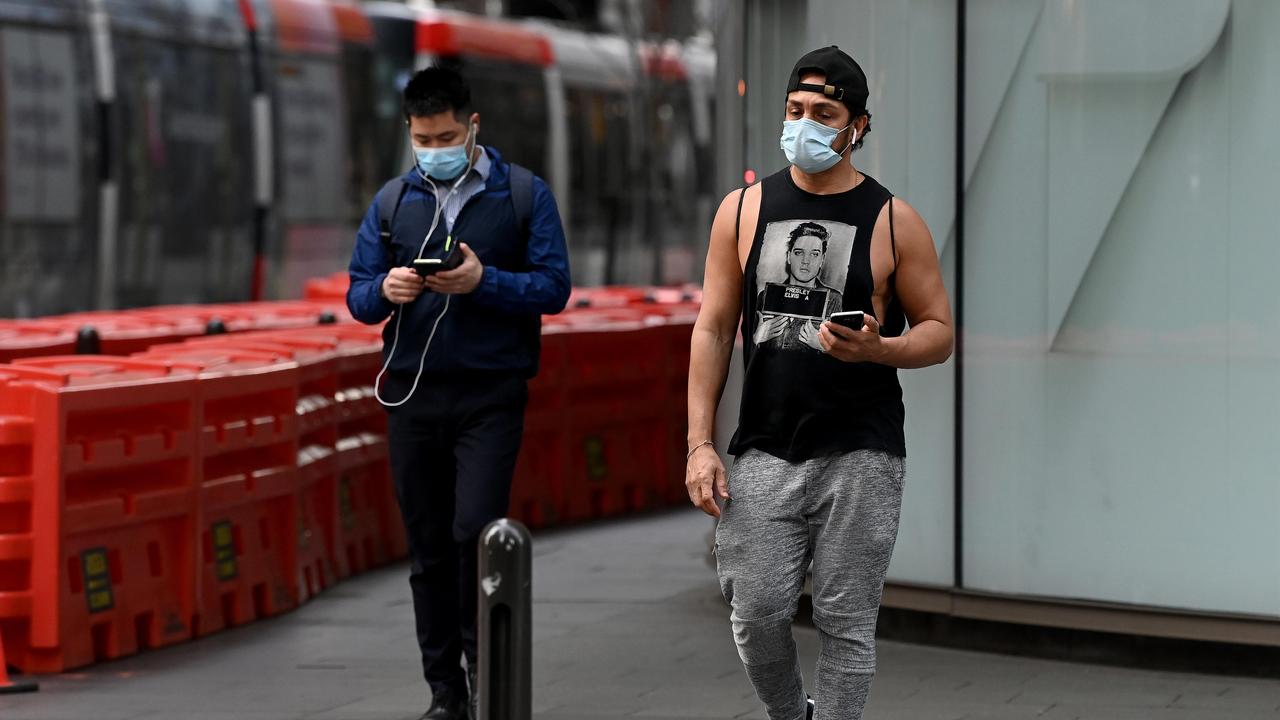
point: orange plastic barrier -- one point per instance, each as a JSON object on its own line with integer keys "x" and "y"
{"x": 97, "y": 509}
{"x": 246, "y": 316}
{"x": 619, "y": 296}
{"x": 32, "y": 338}
{"x": 538, "y": 487}
{"x": 281, "y": 315}
{"x": 195, "y": 320}
{"x": 615, "y": 439}
{"x": 370, "y": 531}
{"x": 211, "y": 480}
{"x": 361, "y": 416}
{"x": 346, "y": 515}
{"x": 330, "y": 287}
{"x": 676, "y": 333}
{"x": 128, "y": 332}
{"x": 611, "y": 296}
{"x": 319, "y": 563}
{"x": 319, "y": 560}
{"x": 359, "y": 360}
{"x": 124, "y": 332}
{"x": 248, "y": 449}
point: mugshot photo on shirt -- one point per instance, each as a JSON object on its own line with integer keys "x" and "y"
{"x": 800, "y": 280}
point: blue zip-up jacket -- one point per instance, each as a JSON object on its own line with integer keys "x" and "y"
{"x": 496, "y": 327}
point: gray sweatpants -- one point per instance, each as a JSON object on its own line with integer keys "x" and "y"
{"x": 841, "y": 512}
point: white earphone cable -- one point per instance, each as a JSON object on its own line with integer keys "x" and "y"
{"x": 395, "y": 340}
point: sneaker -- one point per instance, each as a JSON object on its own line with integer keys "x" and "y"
{"x": 809, "y": 702}
{"x": 446, "y": 705}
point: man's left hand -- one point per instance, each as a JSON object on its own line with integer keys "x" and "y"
{"x": 848, "y": 345}
{"x": 461, "y": 280}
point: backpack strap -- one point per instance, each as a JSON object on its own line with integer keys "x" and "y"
{"x": 521, "y": 179}
{"x": 388, "y": 203}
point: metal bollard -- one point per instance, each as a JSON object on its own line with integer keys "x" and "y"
{"x": 505, "y": 638}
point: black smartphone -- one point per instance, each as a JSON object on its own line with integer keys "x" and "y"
{"x": 428, "y": 266}
{"x": 431, "y": 266}
{"x": 854, "y": 320}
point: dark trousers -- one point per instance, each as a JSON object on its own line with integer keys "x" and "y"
{"x": 453, "y": 451}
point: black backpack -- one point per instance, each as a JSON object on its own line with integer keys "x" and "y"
{"x": 392, "y": 193}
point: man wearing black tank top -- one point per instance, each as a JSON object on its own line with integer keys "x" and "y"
{"x": 817, "y": 476}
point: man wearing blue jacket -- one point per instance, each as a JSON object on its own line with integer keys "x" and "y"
{"x": 459, "y": 349}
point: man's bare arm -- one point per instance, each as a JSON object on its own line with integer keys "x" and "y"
{"x": 919, "y": 287}
{"x": 710, "y": 350}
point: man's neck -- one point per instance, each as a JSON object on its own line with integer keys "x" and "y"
{"x": 837, "y": 179}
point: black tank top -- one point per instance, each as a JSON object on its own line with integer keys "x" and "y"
{"x": 811, "y": 257}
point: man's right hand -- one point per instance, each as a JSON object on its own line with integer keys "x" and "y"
{"x": 770, "y": 327}
{"x": 705, "y": 480}
{"x": 402, "y": 285}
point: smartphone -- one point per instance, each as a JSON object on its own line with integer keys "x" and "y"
{"x": 428, "y": 266}
{"x": 431, "y": 266}
{"x": 853, "y": 320}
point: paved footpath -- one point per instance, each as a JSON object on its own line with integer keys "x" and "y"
{"x": 628, "y": 623}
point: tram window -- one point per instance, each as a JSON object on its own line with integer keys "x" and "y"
{"x": 183, "y": 133}
{"x": 706, "y": 153}
{"x": 392, "y": 68}
{"x": 362, "y": 128}
{"x": 672, "y": 144}
{"x": 41, "y": 148}
{"x": 674, "y": 181}
{"x": 44, "y": 136}
{"x": 136, "y": 145}
{"x": 209, "y": 134}
{"x": 313, "y": 140}
{"x": 512, "y": 101}
{"x": 391, "y": 147}
{"x": 600, "y": 216}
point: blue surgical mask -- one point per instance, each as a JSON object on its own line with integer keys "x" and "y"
{"x": 444, "y": 163}
{"x": 807, "y": 144}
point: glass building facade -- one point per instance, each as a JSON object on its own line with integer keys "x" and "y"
{"x": 1112, "y": 434}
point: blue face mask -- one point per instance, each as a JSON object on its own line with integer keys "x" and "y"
{"x": 807, "y": 144}
{"x": 444, "y": 163}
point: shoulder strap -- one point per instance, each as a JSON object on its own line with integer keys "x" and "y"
{"x": 521, "y": 179}
{"x": 893, "y": 239}
{"x": 388, "y": 203}
{"x": 737, "y": 223}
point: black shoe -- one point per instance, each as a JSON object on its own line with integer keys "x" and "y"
{"x": 809, "y": 702}
{"x": 446, "y": 705}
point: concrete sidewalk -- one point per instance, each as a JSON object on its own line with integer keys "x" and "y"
{"x": 628, "y": 622}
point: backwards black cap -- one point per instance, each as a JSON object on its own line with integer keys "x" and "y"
{"x": 845, "y": 81}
